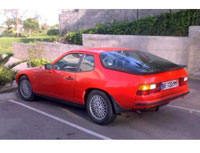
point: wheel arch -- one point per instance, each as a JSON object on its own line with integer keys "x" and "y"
{"x": 20, "y": 75}
{"x": 116, "y": 107}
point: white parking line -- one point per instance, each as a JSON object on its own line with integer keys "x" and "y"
{"x": 184, "y": 108}
{"x": 63, "y": 121}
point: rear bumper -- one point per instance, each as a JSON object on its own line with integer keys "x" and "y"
{"x": 158, "y": 103}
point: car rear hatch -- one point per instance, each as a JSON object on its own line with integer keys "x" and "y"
{"x": 158, "y": 78}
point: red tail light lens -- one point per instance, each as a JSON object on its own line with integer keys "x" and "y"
{"x": 183, "y": 81}
{"x": 148, "y": 89}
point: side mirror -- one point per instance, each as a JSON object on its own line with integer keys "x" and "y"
{"x": 48, "y": 66}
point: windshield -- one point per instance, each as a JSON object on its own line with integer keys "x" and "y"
{"x": 137, "y": 62}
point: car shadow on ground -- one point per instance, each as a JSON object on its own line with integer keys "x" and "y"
{"x": 81, "y": 111}
{"x": 122, "y": 119}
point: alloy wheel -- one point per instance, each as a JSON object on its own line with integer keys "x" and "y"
{"x": 98, "y": 107}
{"x": 25, "y": 89}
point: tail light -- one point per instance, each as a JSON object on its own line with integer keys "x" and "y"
{"x": 183, "y": 81}
{"x": 148, "y": 89}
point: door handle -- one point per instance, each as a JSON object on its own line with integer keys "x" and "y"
{"x": 69, "y": 78}
{"x": 50, "y": 71}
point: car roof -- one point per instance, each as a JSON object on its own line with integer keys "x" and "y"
{"x": 100, "y": 50}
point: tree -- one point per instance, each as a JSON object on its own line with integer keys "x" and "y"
{"x": 31, "y": 25}
{"x": 13, "y": 17}
{"x": 9, "y": 22}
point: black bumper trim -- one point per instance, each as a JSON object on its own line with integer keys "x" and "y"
{"x": 162, "y": 101}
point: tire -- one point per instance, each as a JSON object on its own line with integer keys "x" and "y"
{"x": 99, "y": 108}
{"x": 25, "y": 89}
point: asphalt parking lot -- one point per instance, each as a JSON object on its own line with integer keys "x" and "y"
{"x": 44, "y": 119}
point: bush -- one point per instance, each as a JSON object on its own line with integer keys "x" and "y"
{"x": 167, "y": 24}
{"x": 53, "y": 32}
{"x": 38, "y": 62}
{"x": 6, "y": 75}
{"x": 74, "y": 37}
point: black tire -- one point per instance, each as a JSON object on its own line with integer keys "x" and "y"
{"x": 107, "y": 114}
{"x": 25, "y": 95}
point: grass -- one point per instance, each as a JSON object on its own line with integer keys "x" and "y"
{"x": 7, "y": 41}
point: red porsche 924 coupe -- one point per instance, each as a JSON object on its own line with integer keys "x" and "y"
{"x": 107, "y": 81}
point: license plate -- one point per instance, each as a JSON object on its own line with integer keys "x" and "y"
{"x": 169, "y": 84}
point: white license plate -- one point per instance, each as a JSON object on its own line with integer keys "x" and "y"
{"x": 169, "y": 84}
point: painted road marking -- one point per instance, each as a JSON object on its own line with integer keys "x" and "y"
{"x": 63, "y": 121}
{"x": 184, "y": 108}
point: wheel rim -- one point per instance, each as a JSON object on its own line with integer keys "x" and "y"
{"x": 98, "y": 107}
{"x": 25, "y": 89}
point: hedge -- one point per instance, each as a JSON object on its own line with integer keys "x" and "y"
{"x": 166, "y": 24}
{"x": 53, "y": 32}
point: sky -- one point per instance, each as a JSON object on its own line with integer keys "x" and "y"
{"x": 49, "y": 16}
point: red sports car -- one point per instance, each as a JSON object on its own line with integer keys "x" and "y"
{"x": 107, "y": 81}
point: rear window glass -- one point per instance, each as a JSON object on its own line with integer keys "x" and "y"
{"x": 137, "y": 62}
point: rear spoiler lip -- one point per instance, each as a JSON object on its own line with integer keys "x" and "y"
{"x": 183, "y": 66}
{"x": 170, "y": 69}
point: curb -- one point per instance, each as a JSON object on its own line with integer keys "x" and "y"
{"x": 8, "y": 88}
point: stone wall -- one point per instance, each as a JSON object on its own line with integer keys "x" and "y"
{"x": 41, "y": 49}
{"x": 194, "y": 51}
{"x": 77, "y": 19}
{"x": 181, "y": 50}
{"x": 172, "y": 48}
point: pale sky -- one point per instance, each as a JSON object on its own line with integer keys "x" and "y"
{"x": 49, "y": 16}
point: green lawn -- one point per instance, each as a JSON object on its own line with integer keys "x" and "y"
{"x": 6, "y": 42}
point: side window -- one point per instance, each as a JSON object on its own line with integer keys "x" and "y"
{"x": 87, "y": 63}
{"x": 69, "y": 62}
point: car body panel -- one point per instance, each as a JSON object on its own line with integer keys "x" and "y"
{"x": 120, "y": 85}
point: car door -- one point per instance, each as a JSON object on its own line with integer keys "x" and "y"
{"x": 59, "y": 81}
{"x": 64, "y": 76}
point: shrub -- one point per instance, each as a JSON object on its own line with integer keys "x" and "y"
{"x": 38, "y": 62}
{"x": 6, "y": 75}
{"x": 53, "y": 32}
{"x": 169, "y": 24}
{"x": 74, "y": 37}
